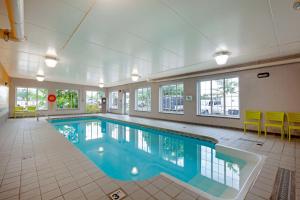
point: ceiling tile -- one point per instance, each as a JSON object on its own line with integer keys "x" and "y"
{"x": 52, "y": 14}
{"x": 233, "y": 25}
{"x": 286, "y": 20}
{"x": 83, "y": 5}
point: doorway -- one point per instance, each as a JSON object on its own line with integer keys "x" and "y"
{"x": 126, "y": 103}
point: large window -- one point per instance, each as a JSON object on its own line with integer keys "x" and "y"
{"x": 113, "y": 100}
{"x": 93, "y": 101}
{"x": 67, "y": 99}
{"x": 171, "y": 98}
{"x": 219, "y": 97}
{"x": 32, "y": 97}
{"x": 143, "y": 99}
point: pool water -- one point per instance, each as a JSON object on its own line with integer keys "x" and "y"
{"x": 129, "y": 152}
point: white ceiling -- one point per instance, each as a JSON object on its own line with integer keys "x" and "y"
{"x": 156, "y": 37}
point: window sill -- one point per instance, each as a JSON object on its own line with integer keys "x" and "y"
{"x": 147, "y": 111}
{"x": 220, "y": 116}
{"x": 66, "y": 109}
{"x": 175, "y": 113}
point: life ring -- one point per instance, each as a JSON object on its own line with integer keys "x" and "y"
{"x": 51, "y": 98}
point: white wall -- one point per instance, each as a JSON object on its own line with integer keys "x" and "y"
{"x": 4, "y": 98}
{"x": 4, "y": 103}
{"x": 51, "y": 86}
{"x": 279, "y": 92}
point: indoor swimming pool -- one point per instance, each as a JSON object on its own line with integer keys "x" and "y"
{"x": 130, "y": 152}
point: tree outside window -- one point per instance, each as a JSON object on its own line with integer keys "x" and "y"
{"x": 93, "y": 101}
{"x": 42, "y": 96}
{"x": 67, "y": 99}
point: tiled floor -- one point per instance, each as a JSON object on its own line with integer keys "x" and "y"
{"x": 38, "y": 163}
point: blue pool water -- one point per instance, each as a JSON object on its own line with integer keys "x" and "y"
{"x": 130, "y": 152}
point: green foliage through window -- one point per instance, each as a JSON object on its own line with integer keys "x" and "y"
{"x": 93, "y": 101}
{"x": 67, "y": 99}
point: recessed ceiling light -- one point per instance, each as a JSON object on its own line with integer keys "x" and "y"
{"x": 51, "y": 61}
{"x": 101, "y": 85}
{"x": 40, "y": 78}
{"x": 135, "y": 77}
{"x": 296, "y": 5}
{"x": 221, "y": 57}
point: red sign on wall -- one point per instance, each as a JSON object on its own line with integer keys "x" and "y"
{"x": 51, "y": 98}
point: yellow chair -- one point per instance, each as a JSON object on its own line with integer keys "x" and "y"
{"x": 252, "y": 118}
{"x": 276, "y": 120}
{"x": 31, "y": 110}
{"x": 293, "y": 122}
{"x": 19, "y": 110}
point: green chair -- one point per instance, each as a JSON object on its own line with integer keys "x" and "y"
{"x": 293, "y": 123}
{"x": 31, "y": 111}
{"x": 275, "y": 120}
{"x": 19, "y": 110}
{"x": 252, "y": 118}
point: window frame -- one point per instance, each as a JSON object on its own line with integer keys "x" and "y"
{"x": 198, "y": 94}
{"x": 36, "y": 95}
{"x": 37, "y": 91}
{"x": 160, "y": 98}
{"x": 63, "y": 109}
{"x": 99, "y": 98}
{"x": 110, "y": 100}
{"x": 149, "y": 107}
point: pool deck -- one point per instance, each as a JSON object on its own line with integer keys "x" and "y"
{"x": 38, "y": 163}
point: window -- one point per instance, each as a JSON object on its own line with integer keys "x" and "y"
{"x": 219, "y": 97}
{"x": 143, "y": 99}
{"x": 42, "y": 97}
{"x": 32, "y": 97}
{"x": 93, "y": 101}
{"x": 67, "y": 99}
{"x": 171, "y": 98}
{"x": 113, "y": 100}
